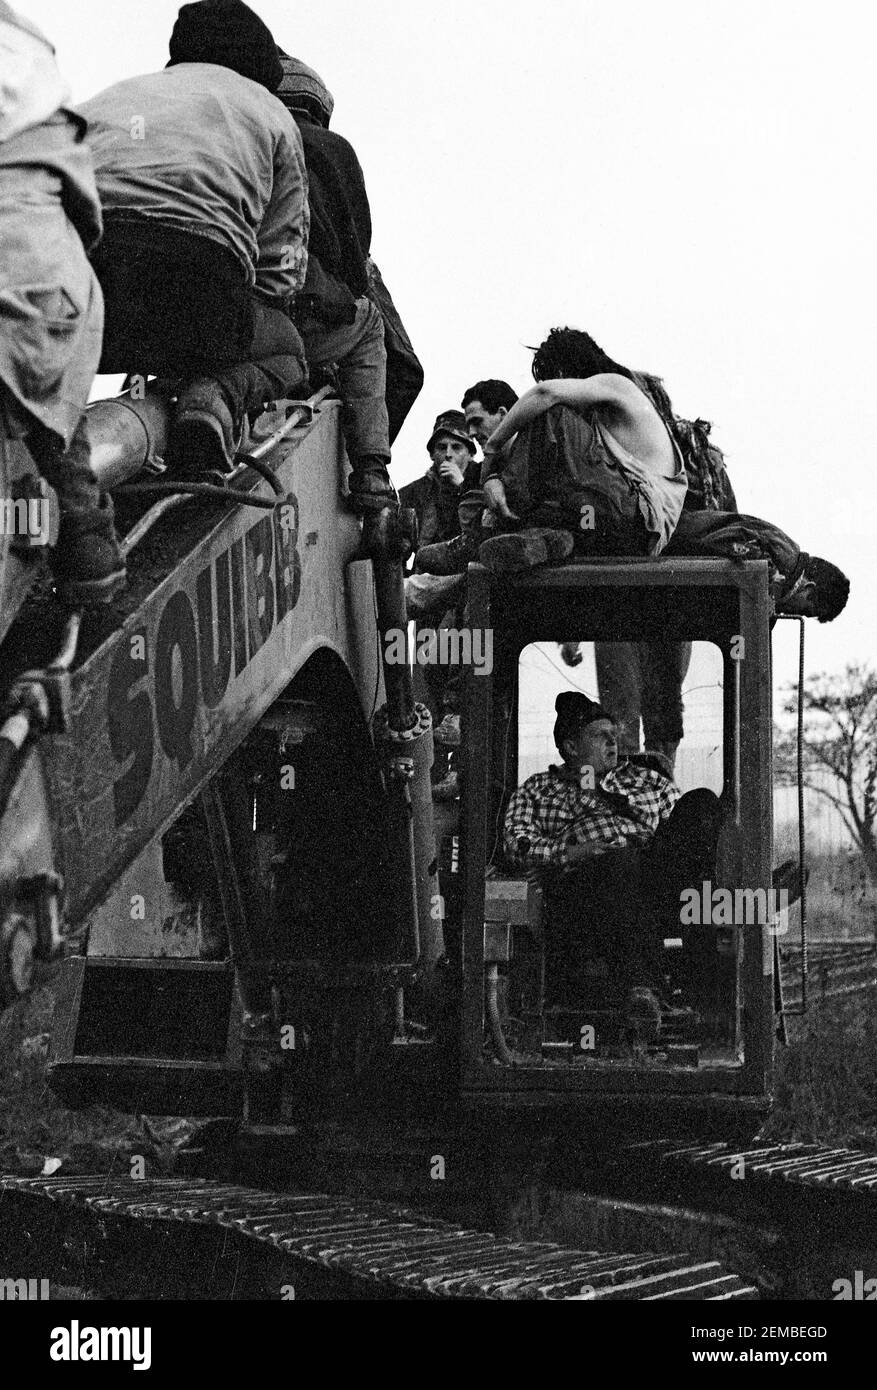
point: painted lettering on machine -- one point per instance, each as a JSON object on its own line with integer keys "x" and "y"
{"x": 207, "y": 635}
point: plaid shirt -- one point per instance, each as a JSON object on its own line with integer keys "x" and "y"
{"x": 551, "y": 812}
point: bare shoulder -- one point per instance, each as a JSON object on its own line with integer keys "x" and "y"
{"x": 624, "y": 391}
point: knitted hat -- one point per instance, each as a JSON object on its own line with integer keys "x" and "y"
{"x": 574, "y": 712}
{"x": 304, "y": 89}
{"x": 228, "y": 33}
{"x": 452, "y": 422}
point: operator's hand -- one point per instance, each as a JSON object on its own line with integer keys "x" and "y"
{"x": 582, "y": 854}
{"x": 451, "y": 472}
{"x": 494, "y": 491}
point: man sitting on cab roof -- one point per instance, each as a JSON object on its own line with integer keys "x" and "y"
{"x": 585, "y": 452}
{"x": 618, "y": 843}
{"x": 202, "y": 179}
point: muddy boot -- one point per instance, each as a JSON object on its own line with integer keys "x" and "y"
{"x": 203, "y": 435}
{"x": 370, "y": 486}
{"x": 447, "y": 557}
{"x": 87, "y": 562}
{"x": 524, "y": 550}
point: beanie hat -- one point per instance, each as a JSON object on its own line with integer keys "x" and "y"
{"x": 574, "y": 712}
{"x": 228, "y": 33}
{"x": 303, "y": 89}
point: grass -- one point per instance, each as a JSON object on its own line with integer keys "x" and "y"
{"x": 34, "y": 1125}
{"x": 841, "y": 899}
{"x": 826, "y": 1079}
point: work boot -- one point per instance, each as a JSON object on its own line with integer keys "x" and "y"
{"x": 447, "y": 557}
{"x": 524, "y": 550}
{"x": 87, "y": 562}
{"x": 202, "y": 438}
{"x": 370, "y": 486}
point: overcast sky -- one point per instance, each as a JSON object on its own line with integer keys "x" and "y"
{"x": 691, "y": 183}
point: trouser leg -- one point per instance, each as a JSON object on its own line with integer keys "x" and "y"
{"x": 87, "y": 561}
{"x": 682, "y": 854}
{"x": 177, "y": 305}
{"x": 597, "y": 910}
{"x": 68, "y": 471}
{"x": 663, "y": 667}
{"x": 275, "y": 365}
{"x": 619, "y": 677}
{"x": 358, "y": 351}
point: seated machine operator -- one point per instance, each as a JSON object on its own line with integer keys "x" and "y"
{"x": 616, "y": 842}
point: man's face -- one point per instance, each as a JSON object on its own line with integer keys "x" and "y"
{"x": 596, "y": 747}
{"x": 803, "y": 604}
{"x": 447, "y": 453}
{"x": 481, "y": 424}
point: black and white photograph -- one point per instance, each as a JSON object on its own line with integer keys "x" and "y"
{"x": 438, "y": 666}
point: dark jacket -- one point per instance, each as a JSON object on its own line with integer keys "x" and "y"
{"x": 737, "y": 536}
{"x": 436, "y": 503}
{"x": 341, "y": 226}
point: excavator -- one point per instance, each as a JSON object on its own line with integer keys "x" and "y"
{"x": 217, "y": 828}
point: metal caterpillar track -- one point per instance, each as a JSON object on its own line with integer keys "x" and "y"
{"x": 367, "y": 1249}
{"x": 811, "y": 1166}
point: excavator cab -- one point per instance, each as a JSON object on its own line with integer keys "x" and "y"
{"x": 540, "y": 1020}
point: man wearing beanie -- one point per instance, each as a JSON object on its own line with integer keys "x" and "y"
{"x": 202, "y": 178}
{"x": 51, "y": 312}
{"x": 618, "y": 843}
{"x": 336, "y": 318}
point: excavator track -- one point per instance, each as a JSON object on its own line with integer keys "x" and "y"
{"x": 168, "y": 1237}
{"x": 771, "y": 1168}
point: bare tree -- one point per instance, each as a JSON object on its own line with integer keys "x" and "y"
{"x": 840, "y": 737}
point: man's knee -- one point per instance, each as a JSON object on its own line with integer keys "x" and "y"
{"x": 274, "y": 335}
{"x": 699, "y": 812}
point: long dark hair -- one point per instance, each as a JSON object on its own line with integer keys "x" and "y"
{"x": 568, "y": 352}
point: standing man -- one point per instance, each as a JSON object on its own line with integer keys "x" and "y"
{"x": 202, "y": 178}
{"x": 338, "y": 321}
{"x": 435, "y": 499}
